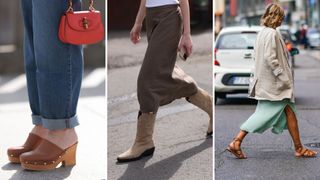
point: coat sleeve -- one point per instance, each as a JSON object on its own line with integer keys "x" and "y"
{"x": 270, "y": 54}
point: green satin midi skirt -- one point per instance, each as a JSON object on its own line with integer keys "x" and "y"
{"x": 268, "y": 114}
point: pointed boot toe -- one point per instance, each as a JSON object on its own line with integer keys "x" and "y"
{"x": 143, "y": 145}
{"x": 134, "y": 156}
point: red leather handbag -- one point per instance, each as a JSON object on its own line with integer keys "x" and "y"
{"x": 81, "y": 27}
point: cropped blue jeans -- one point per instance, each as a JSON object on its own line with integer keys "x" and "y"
{"x": 54, "y": 70}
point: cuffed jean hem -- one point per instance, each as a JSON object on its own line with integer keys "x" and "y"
{"x": 56, "y": 124}
{"x": 36, "y": 120}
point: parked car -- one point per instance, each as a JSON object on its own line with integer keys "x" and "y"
{"x": 201, "y": 12}
{"x": 234, "y": 59}
{"x": 290, "y": 41}
{"x": 288, "y": 33}
{"x": 313, "y": 36}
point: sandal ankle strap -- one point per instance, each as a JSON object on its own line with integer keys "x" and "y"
{"x": 298, "y": 146}
{"x": 237, "y": 139}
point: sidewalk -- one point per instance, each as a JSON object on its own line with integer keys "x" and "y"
{"x": 92, "y": 148}
{"x": 182, "y": 150}
{"x": 122, "y": 53}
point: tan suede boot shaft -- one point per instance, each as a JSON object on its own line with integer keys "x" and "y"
{"x": 144, "y": 138}
{"x": 203, "y": 100}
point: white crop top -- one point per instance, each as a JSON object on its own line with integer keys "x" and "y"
{"x": 156, "y": 3}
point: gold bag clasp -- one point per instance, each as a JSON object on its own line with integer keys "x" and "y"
{"x": 85, "y": 23}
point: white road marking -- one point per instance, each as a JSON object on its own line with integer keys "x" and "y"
{"x": 95, "y": 78}
{"x": 14, "y": 85}
{"x": 7, "y": 48}
{"x": 121, "y": 99}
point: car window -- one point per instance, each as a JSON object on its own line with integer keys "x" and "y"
{"x": 285, "y": 35}
{"x": 239, "y": 40}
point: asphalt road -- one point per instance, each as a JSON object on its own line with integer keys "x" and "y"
{"x": 182, "y": 150}
{"x": 271, "y": 156}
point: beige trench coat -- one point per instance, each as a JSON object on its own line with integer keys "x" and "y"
{"x": 272, "y": 78}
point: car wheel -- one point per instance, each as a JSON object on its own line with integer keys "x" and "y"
{"x": 219, "y": 96}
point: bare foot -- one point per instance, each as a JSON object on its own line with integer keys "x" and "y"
{"x": 235, "y": 148}
{"x": 62, "y": 138}
{"x": 40, "y": 131}
{"x": 304, "y": 152}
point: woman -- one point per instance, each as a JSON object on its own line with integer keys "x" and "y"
{"x": 160, "y": 81}
{"x": 54, "y": 74}
{"x": 272, "y": 87}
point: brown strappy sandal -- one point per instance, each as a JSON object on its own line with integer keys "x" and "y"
{"x": 304, "y": 152}
{"x": 237, "y": 152}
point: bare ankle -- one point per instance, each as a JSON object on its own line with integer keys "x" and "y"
{"x": 298, "y": 146}
{"x": 40, "y": 131}
{"x": 62, "y": 138}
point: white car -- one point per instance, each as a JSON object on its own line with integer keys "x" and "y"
{"x": 313, "y": 36}
{"x": 234, "y": 59}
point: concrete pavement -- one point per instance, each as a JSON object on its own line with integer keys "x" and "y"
{"x": 122, "y": 53}
{"x": 92, "y": 148}
{"x": 272, "y": 156}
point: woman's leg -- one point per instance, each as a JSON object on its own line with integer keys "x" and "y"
{"x": 235, "y": 145}
{"x": 293, "y": 128}
{"x": 203, "y": 100}
{"x": 59, "y": 69}
{"x": 38, "y": 131}
{"x": 30, "y": 62}
{"x": 156, "y": 85}
{"x": 143, "y": 144}
{"x": 30, "y": 67}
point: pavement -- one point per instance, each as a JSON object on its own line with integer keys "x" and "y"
{"x": 16, "y": 124}
{"x": 272, "y": 156}
{"x": 122, "y": 53}
{"x": 182, "y": 150}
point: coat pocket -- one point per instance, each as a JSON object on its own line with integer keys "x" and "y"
{"x": 252, "y": 86}
{"x": 283, "y": 81}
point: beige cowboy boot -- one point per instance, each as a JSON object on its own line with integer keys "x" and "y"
{"x": 143, "y": 145}
{"x": 203, "y": 100}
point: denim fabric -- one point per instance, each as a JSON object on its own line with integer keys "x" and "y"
{"x": 53, "y": 69}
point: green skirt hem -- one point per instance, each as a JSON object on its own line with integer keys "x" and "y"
{"x": 268, "y": 114}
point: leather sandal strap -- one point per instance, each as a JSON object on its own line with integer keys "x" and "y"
{"x": 237, "y": 150}
{"x": 307, "y": 152}
{"x": 237, "y": 139}
{"x": 303, "y": 151}
{"x": 298, "y": 146}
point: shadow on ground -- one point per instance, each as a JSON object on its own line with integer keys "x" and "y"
{"x": 164, "y": 169}
{"x": 21, "y": 174}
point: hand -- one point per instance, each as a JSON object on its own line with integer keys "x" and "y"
{"x": 185, "y": 44}
{"x": 135, "y": 33}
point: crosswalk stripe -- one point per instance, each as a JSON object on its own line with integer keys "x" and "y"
{"x": 14, "y": 85}
{"x": 95, "y": 78}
